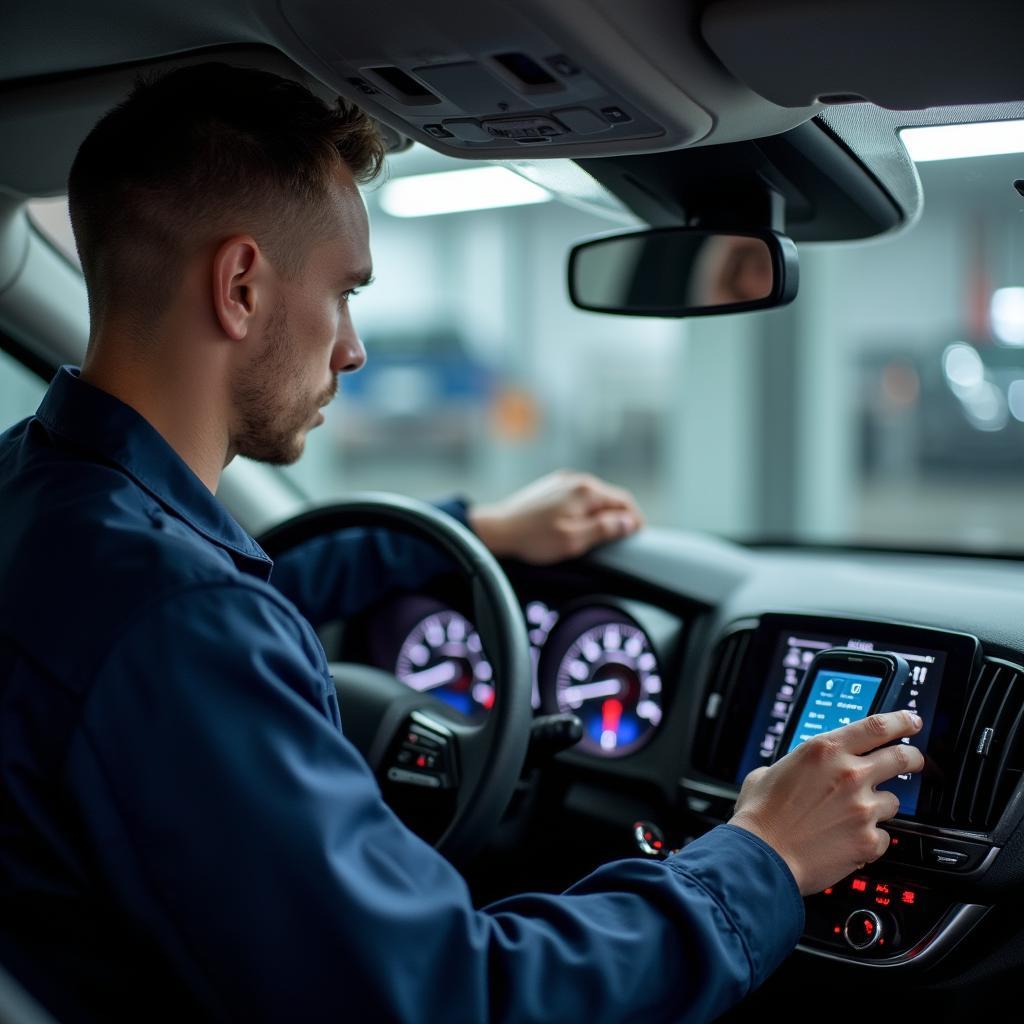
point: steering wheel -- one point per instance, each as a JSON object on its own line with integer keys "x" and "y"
{"x": 423, "y": 752}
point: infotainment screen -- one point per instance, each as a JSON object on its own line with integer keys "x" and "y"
{"x": 794, "y": 650}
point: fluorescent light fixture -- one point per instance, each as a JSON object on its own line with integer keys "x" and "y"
{"x": 953, "y": 141}
{"x": 476, "y": 188}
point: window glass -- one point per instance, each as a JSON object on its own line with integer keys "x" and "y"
{"x": 51, "y": 219}
{"x": 886, "y": 405}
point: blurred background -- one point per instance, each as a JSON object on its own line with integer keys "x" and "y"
{"x": 885, "y": 406}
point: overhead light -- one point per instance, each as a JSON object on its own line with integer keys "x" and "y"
{"x": 1007, "y": 315}
{"x": 476, "y": 188}
{"x": 952, "y": 141}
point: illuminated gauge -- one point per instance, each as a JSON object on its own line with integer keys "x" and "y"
{"x": 443, "y": 655}
{"x": 540, "y": 620}
{"x": 609, "y": 676}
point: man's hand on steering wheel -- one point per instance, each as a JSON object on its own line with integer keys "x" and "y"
{"x": 561, "y": 515}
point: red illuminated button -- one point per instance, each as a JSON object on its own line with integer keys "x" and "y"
{"x": 908, "y": 896}
{"x": 863, "y": 929}
{"x": 859, "y": 885}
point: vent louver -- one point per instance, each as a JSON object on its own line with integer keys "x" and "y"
{"x": 723, "y": 678}
{"x": 989, "y": 749}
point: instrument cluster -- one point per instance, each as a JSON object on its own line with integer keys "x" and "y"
{"x": 593, "y": 659}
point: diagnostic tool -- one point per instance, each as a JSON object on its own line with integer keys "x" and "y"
{"x": 841, "y": 686}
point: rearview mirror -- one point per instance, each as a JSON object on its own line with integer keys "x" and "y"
{"x": 683, "y": 272}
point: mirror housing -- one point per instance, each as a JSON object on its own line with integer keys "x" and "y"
{"x": 682, "y": 271}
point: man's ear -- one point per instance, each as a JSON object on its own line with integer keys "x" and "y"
{"x": 237, "y": 268}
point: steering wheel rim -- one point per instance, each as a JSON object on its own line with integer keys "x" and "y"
{"x": 490, "y": 755}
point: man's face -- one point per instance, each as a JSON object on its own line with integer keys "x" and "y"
{"x": 308, "y": 339}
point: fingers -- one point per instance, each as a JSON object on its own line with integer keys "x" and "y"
{"x": 599, "y": 495}
{"x": 887, "y": 806}
{"x": 899, "y": 759}
{"x": 583, "y": 534}
{"x": 875, "y": 731}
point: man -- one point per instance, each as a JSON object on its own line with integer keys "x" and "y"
{"x": 187, "y": 833}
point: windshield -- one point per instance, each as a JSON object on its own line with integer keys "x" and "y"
{"x": 885, "y": 406}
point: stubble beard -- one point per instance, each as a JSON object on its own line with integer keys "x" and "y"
{"x": 272, "y": 419}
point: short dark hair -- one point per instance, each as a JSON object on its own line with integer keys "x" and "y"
{"x": 205, "y": 148}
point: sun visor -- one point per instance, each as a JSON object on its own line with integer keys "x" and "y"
{"x": 904, "y": 56}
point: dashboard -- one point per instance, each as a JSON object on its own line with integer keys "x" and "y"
{"x": 683, "y": 654}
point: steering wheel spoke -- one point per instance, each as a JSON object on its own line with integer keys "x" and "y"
{"x": 448, "y": 778}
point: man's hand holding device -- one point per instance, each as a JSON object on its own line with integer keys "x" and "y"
{"x": 818, "y": 805}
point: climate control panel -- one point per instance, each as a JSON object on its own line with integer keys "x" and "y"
{"x": 872, "y": 916}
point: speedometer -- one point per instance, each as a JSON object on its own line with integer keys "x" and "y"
{"x": 609, "y": 676}
{"x": 443, "y": 654}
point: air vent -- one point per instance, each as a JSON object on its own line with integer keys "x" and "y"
{"x": 722, "y": 682}
{"x": 989, "y": 747}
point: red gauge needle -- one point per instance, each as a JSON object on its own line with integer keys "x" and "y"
{"x": 611, "y": 712}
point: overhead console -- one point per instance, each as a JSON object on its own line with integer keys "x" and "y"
{"x": 954, "y": 816}
{"x": 572, "y": 78}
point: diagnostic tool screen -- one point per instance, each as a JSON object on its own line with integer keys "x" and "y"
{"x": 792, "y": 657}
{"x": 835, "y": 699}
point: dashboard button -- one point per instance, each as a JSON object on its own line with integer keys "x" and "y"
{"x": 413, "y": 778}
{"x": 941, "y": 858}
{"x": 953, "y": 855}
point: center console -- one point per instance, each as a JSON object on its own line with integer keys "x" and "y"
{"x": 906, "y": 906}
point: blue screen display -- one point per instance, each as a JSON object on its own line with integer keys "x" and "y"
{"x": 835, "y": 699}
{"x": 794, "y": 652}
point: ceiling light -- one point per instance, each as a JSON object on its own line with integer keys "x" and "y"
{"x": 952, "y": 141}
{"x": 476, "y": 188}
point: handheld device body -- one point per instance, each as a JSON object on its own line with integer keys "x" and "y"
{"x": 841, "y": 686}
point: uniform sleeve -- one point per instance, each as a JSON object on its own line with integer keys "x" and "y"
{"x": 234, "y": 823}
{"x": 340, "y": 574}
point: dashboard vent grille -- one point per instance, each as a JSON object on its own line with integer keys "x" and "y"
{"x": 989, "y": 747}
{"x": 723, "y": 679}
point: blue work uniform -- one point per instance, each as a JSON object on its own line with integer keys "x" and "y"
{"x": 188, "y": 835}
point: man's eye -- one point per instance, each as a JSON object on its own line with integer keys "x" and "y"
{"x": 350, "y": 294}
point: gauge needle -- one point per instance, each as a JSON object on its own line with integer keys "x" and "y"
{"x": 576, "y": 695}
{"x": 611, "y": 713}
{"x": 436, "y": 675}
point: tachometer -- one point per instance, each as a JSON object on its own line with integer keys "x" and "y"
{"x": 609, "y": 676}
{"x": 443, "y": 654}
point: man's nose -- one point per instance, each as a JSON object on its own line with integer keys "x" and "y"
{"x": 349, "y": 352}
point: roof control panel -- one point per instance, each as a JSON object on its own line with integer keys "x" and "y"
{"x": 494, "y": 78}
{"x": 506, "y": 98}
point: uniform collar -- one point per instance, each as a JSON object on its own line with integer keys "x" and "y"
{"x": 98, "y": 422}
